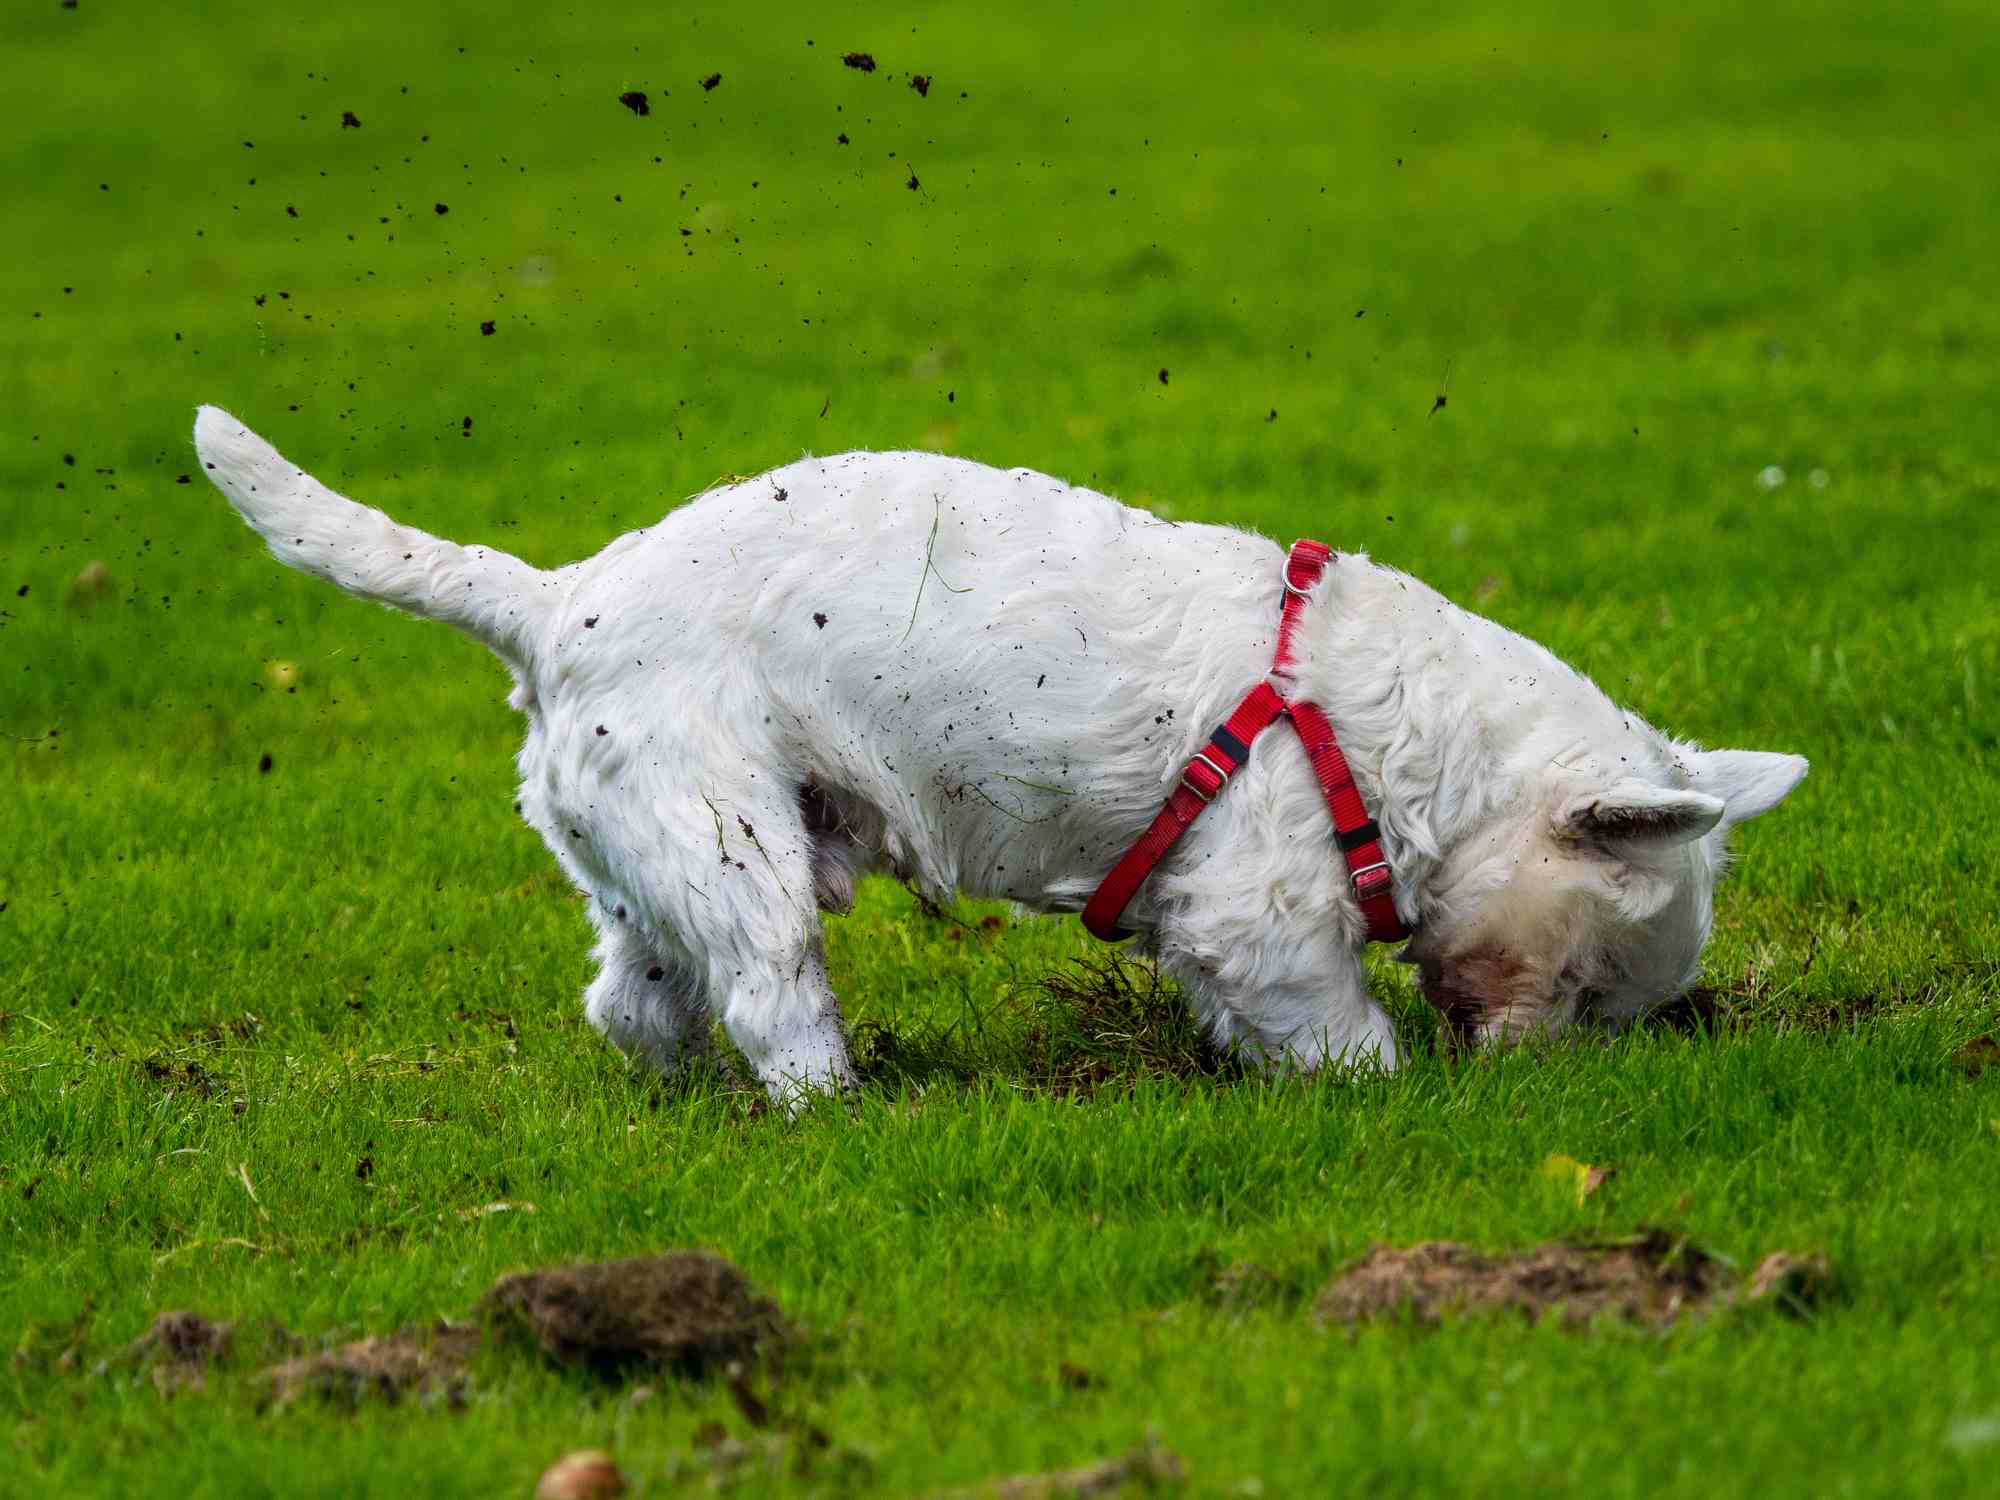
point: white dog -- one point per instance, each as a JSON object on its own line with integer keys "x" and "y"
{"x": 988, "y": 681}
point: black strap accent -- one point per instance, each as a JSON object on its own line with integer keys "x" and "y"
{"x": 1229, "y": 745}
{"x": 1355, "y": 837}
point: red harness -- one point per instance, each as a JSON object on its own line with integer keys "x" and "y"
{"x": 1224, "y": 754}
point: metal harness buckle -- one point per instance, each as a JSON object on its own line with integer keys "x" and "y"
{"x": 1221, "y": 776}
{"x": 1361, "y": 878}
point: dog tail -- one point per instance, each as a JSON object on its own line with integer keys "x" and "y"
{"x": 493, "y": 597}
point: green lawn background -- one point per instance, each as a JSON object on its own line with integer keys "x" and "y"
{"x": 1647, "y": 254}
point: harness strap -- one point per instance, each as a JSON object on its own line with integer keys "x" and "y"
{"x": 1226, "y": 752}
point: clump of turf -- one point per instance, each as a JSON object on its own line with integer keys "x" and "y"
{"x": 412, "y": 1361}
{"x": 1651, "y": 1279}
{"x": 1108, "y": 1019}
{"x": 687, "y": 1311}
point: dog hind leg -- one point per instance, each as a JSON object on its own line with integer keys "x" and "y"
{"x": 740, "y": 894}
{"x": 647, "y": 1003}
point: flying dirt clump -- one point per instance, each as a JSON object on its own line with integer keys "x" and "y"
{"x": 688, "y": 1311}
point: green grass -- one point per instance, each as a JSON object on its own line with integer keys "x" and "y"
{"x": 1658, "y": 252}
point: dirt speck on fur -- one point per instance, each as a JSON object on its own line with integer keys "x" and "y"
{"x": 687, "y": 1310}
{"x": 424, "y": 1362}
{"x": 1651, "y": 1278}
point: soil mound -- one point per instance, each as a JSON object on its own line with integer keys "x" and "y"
{"x": 424, "y": 1362}
{"x": 1650, "y": 1279}
{"x": 688, "y": 1311}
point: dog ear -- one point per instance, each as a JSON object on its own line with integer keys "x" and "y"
{"x": 1633, "y": 813}
{"x": 1749, "y": 782}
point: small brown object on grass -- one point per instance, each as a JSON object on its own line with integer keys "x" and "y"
{"x": 687, "y": 1310}
{"x": 420, "y": 1361}
{"x": 1977, "y": 1055}
{"x": 1651, "y": 1278}
{"x": 1074, "y": 1377}
{"x": 587, "y": 1474}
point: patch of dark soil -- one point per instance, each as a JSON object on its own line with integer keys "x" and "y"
{"x": 878, "y": 1051}
{"x": 1074, "y": 1377}
{"x": 1977, "y": 1055}
{"x": 487, "y": 1016}
{"x": 1106, "y": 1019}
{"x": 424, "y": 1362}
{"x": 176, "y": 1076}
{"x": 688, "y": 1311}
{"x": 1651, "y": 1279}
{"x": 1700, "y": 1009}
{"x": 1147, "y": 1467}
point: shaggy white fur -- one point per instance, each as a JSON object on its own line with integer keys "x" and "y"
{"x": 988, "y": 681}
